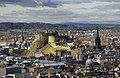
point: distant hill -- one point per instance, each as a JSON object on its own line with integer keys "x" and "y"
{"x": 63, "y": 26}
{"x": 8, "y": 25}
{"x": 85, "y": 26}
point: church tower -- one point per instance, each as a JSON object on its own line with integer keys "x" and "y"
{"x": 15, "y": 39}
{"x": 113, "y": 43}
{"x": 98, "y": 40}
{"x": 21, "y": 37}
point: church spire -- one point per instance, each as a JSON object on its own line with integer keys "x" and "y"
{"x": 22, "y": 37}
{"x": 97, "y": 32}
{"x": 97, "y": 40}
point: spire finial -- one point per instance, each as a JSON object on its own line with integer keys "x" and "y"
{"x": 97, "y": 31}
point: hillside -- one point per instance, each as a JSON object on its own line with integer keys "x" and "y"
{"x": 8, "y": 25}
{"x": 62, "y": 26}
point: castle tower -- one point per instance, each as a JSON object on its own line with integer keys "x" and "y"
{"x": 39, "y": 37}
{"x": 51, "y": 40}
{"x": 97, "y": 40}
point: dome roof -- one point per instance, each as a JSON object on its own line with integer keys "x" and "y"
{"x": 89, "y": 61}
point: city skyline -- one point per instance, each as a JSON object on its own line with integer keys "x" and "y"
{"x": 59, "y": 38}
{"x": 58, "y": 11}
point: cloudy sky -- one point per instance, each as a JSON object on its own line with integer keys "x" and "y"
{"x": 57, "y": 11}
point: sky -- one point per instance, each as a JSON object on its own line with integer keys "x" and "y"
{"x": 58, "y": 11}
